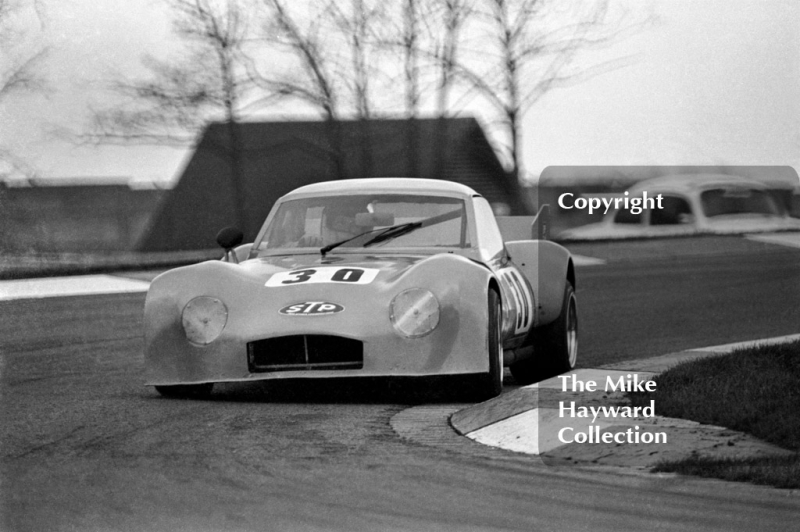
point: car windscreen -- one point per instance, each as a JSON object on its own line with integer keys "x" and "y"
{"x": 322, "y": 221}
{"x": 737, "y": 200}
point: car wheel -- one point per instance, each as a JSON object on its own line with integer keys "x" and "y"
{"x": 186, "y": 391}
{"x": 555, "y": 345}
{"x": 493, "y": 381}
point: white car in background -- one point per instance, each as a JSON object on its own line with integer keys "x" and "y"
{"x": 693, "y": 204}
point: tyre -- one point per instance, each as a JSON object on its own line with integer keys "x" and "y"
{"x": 555, "y": 345}
{"x": 186, "y": 391}
{"x": 492, "y": 384}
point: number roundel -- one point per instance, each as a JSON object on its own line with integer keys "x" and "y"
{"x": 325, "y": 274}
{"x": 522, "y": 298}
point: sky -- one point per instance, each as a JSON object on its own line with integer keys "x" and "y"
{"x": 710, "y": 82}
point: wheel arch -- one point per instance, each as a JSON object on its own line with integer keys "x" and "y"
{"x": 548, "y": 267}
{"x": 494, "y": 285}
{"x": 571, "y": 274}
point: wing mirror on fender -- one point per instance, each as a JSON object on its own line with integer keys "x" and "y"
{"x": 228, "y": 238}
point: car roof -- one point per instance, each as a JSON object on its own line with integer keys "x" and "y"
{"x": 694, "y": 182}
{"x": 384, "y": 185}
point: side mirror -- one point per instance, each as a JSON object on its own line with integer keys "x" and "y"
{"x": 228, "y": 238}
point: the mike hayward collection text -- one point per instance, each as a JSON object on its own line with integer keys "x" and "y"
{"x": 593, "y": 433}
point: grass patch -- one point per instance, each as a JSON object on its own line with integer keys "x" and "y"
{"x": 753, "y": 390}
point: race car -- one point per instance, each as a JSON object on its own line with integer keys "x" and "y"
{"x": 689, "y": 205}
{"x": 390, "y": 277}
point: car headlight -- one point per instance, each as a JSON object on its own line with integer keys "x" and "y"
{"x": 415, "y": 312}
{"x": 203, "y": 319}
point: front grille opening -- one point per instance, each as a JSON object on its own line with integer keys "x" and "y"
{"x": 304, "y": 352}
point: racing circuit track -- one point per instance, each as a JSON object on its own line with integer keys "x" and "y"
{"x": 86, "y": 447}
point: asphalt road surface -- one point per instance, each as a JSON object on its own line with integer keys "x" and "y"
{"x": 86, "y": 447}
{"x": 661, "y": 296}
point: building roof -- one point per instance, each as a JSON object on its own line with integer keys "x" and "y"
{"x": 278, "y": 157}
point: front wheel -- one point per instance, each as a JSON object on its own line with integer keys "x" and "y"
{"x": 186, "y": 391}
{"x": 555, "y": 345}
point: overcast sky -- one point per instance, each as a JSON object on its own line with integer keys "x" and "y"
{"x": 713, "y": 82}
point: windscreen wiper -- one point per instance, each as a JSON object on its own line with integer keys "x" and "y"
{"x": 402, "y": 229}
{"x": 393, "y": 232}
{"x": 329, "y": 247}
{"x": 383, "y": 234}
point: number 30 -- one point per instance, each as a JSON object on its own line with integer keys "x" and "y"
{"x": 301, "y": 276}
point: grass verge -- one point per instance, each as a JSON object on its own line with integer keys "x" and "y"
{"x": 753, "y": 390}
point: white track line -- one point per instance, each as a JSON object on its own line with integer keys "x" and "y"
{"x": 581, "y": 260}
{"x": 791, "y": 240}
{"x": 77, "y": 285}
{"x": 725, "y": 348}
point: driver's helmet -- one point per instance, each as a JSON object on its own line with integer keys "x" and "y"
{"x": 339, "y": 221}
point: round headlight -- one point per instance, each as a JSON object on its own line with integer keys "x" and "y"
{"x": 415, "y": 312}
{"x": 203, "y": 319}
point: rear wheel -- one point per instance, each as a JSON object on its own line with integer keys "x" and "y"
{"x": 186, "y": 391}
{"x": 492, "y": 384}
{"x": 555, "y": 345}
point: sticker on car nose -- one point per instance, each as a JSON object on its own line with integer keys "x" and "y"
{"x": 311, "y": 308}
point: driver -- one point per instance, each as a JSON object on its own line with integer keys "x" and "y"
{"x": 340, "y": 222}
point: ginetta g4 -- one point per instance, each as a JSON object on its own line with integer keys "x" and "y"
{"x": 366, "y": 278}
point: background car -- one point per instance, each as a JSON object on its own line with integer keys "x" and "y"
{"x": 366, "y": 278}
{"x": 692, "y": 204}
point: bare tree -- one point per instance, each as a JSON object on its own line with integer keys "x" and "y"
{"x": 453, "y": 14}
{"x": 210, "y": 81}
{"x": 334, "y": 46}
{"x": 314, "y": 82}
{"x": 410, "y": 43}
{"x": 22, "y": 74}
{"x": 307, "y": 43}
{"x": 425, "y": 42}
{"x": 355, "y": 24}
{"x": 20, "y": 70}
{"x": 527, "y": 48}
{"x": 400, "y": 40}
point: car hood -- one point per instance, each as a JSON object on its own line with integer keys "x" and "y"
{"x": 342, "y": 278}
{"x": 276, "y": 271}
